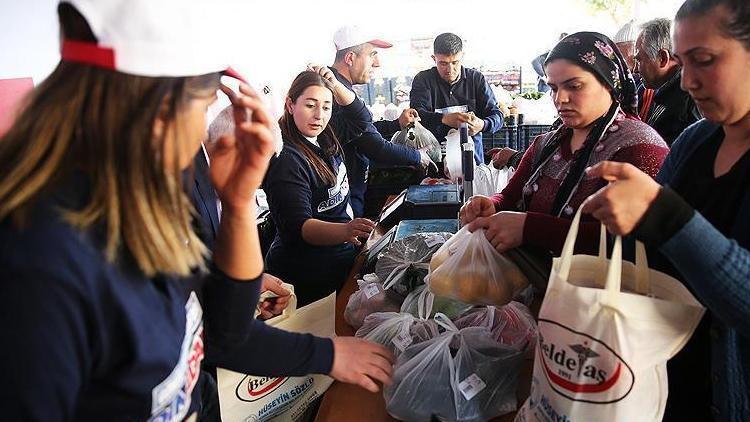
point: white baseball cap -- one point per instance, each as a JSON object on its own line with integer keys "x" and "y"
{"x": 353, "y": 35}
{"x": 172, "y": 38}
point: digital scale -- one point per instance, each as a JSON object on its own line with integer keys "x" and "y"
{"x": 406, "y": 228}
{"x": 426, "y": 208}
{"x": 422, "y": 202}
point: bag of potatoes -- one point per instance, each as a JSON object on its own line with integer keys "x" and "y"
{"x": 467, "y": 268}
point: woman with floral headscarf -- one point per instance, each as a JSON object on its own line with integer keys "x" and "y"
{"x": 596, "y": 97}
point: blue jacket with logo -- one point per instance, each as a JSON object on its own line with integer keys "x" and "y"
{"x": 87, "y": 339}
{"x": 362, "y": 142}
{"x": 297, "y": 193}
{"x": 433, "y": 97}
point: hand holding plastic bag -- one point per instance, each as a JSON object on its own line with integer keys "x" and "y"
{"x": 418, "y": 137}
{"x": 467, "y": 268}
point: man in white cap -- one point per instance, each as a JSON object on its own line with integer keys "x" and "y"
{"x": 625, "y": 39}
{"x": 356, "y": 56}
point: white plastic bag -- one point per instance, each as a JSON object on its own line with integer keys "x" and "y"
{"x": 511, "y": 325}
{"x": 397, "y": 331}
{"x": 460, "y": 375}
{"x": 488, "y": 180}
{"x": 418, "y": 137}
{"x": 423, "y": 304}
{"x": 403, "y": 266}
{"x": 371, "y": 297}
{"x": 606, "y": 331}
{"x": 469, "y": 269}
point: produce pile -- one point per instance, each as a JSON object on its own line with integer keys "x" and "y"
{"x": 456, "y": 361}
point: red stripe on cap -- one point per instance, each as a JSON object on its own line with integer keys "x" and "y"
{"x": 88, "y": 53}
{"x": 234, "y": 74}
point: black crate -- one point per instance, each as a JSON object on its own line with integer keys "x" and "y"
{"x": 385, "y": 181}
{"x": 507, "y": 136}
{"x": 527, "y": 133}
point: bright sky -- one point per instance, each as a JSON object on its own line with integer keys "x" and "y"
{"x": 282, "y": 36}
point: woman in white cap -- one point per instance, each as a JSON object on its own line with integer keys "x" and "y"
{"x": 108, "y": 306}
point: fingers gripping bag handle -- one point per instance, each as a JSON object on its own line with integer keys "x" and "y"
{"x": 288, "y": 311}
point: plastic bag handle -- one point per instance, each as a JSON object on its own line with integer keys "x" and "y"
{"x": 442, "y": 320}
{"x": 425, "y": 300}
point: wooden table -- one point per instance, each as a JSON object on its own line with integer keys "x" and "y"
{"x": 346, "y": 402}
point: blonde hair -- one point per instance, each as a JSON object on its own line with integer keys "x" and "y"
{"x": 100, "y": 123}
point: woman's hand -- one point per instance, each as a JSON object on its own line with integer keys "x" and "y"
{"x": 240, "y": 160}
{"x": 621, "y": 205}
{"x": 504, "y": 229}
{"x": 271, "y": 307}
{"x": 501, "y": 156}
{"x": 361, "y": 362}
{"x": 477, "y": 206}
{"x": 359, "y": 227}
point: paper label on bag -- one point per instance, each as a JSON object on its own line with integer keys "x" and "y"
{"x": 402, "y": 341}
{"x": 471, "y": 386}
{"x": 433, "y": 241}
{"x": 371, "y": 290}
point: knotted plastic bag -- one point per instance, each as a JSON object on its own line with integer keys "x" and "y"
{"x": 511, "y": 325}
{"x": 397, "y": 331}
{"x": 423, "y": 304}
{"x": 404, "y": 265}
{"x": 417, "y": 136}
{"x": 460, "y": 375}
{"x": 467, "y": 268}
{"x": 371, "y": 297}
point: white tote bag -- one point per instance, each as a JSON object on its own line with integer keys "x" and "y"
{"x": 606, "y": 331}
{"x": 249, "y": 398}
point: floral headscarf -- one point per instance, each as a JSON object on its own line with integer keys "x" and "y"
{"x": 597, "y": 54}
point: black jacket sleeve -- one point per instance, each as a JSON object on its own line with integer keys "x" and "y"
{"x": 387, "y": 128}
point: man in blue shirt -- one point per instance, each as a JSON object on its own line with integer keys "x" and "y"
{"x": 356, "y": 56}
{"x": 450, "y": 94}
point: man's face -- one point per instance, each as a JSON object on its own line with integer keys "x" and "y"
{"x": 646, "y": 66}
{"x": 363, "y": 63}
{"x": 449, "y": 67}
{"x": 626, "y": 48}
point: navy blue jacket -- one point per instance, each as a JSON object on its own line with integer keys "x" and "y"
{"x": 204, "y": 200}
{"x": 297, "y": 193}
{"x": 362, "y": 143}
{"x": 717, "y": 269}
{"x": 92, "y": 340}
{"x": 431, "y": 95}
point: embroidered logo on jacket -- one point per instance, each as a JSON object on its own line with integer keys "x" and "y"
{"x": 338, "y": 193}
{"x": 170, "y": 400}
